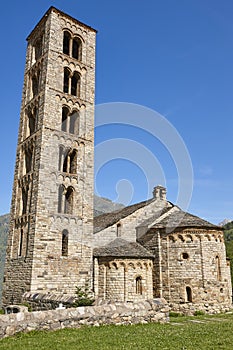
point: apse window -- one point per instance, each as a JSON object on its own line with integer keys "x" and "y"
{"x": 139, "y": 285}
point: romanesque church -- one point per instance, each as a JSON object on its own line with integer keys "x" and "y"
{"x": 147, "y": 250}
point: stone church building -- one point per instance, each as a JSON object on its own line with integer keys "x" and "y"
{"x": 146, "y": 250}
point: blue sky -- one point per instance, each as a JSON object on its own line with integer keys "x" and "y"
{"x": 174, "y": 57}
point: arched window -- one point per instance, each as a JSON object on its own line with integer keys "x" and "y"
{"x": 139, "y": 285}
{"x": 65, "y": 113}
{"x": 21, "y": 242}
{"x": 75, "y": 84}
{"x": 38, "y": 48}
{"x": 118, "y": 233}
{"x": 65, "y": 200}
{"x": 69, "y": 199}
{"x": 66, "y": 43}
{"x": 70, "y": 162}
{"x": 31, "y": 123}
{"x": 28, "y": 160}
{"x": 66, "y": 80}
{"x": 73, "y": 162}
{"x": 189, "y": 297}
{"x": 64, "y": 249}
{"x": 77, "y": 49}
{"x": 218, "y": 268}
{"x": 74, "y": 123}
{"x": 35, "y": 85}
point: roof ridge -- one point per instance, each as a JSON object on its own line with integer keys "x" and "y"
{"x": 163, "y": 216}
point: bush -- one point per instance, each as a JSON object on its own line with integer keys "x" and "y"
{"x": 84, "y": 296}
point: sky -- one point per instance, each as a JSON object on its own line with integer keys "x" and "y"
{"x": 171, "y": 59}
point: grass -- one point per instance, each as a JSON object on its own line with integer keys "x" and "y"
{"x": 183, "y": 333}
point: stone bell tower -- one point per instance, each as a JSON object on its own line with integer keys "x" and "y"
{"x": 49, "y": 246}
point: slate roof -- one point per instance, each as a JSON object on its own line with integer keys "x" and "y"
{"x": 177, "y": 218}
{"x": 105, "y": 220}
{"x": 180, "y": 218}
{"x": 121, "y": 248}
{"x": 157, "y": 214}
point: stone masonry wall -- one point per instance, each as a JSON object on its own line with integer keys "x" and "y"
{"x": 115, "y": 279}
{"x": 195, "y": 259}
{"x": 129, "y": 224}
{"x": 35, "y": 237}
{"x": 118, "y": 313}
{"x": 192, "y": 266}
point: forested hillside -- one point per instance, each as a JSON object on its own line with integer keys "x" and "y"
{"x": 228, "y": 233}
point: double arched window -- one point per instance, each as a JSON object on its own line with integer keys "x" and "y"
{"x": 72, "y": 46}
{"x": 68, "y": 160}
{"x": 71, "y": 82}
{"x": 70, "y": 121}
{"x": 65, "y": 199}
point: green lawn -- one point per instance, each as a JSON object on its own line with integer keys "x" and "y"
{"x": 183, "y": 333}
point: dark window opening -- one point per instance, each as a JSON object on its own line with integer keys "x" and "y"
{"x": 28, "y": 160}
{"x": 74, "y": 123}
{"x": 66, "y": 43}
{"x": 69, "y": 196}
{"x": 185, "y": 256}
{"x": 65, "y": 113}
{"x": 35, "y": 85}
{"x": 24, "y": 199}
{"x": 75, "y": 84}
{"x": 77, "y": 48}
{"x": 31, "y": 123}
{"x": 189, "y": 297}
{"x": 118, "y": 230}
{"x": 139, "y": 285}
{"x": 73, "y": 162}
{"x": 21, "y": 242}
{"x": 64, "y": 249}
{"x": 70, "y": 163}
{"x": 65, "y": 164}
{"x": 38, "y": 48}
{"x": 66, "y": 80}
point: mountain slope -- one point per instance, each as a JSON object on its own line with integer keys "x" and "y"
{"x": 228, "y": 234}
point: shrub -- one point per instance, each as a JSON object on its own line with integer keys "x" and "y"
{"x": 84, "y": 296}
